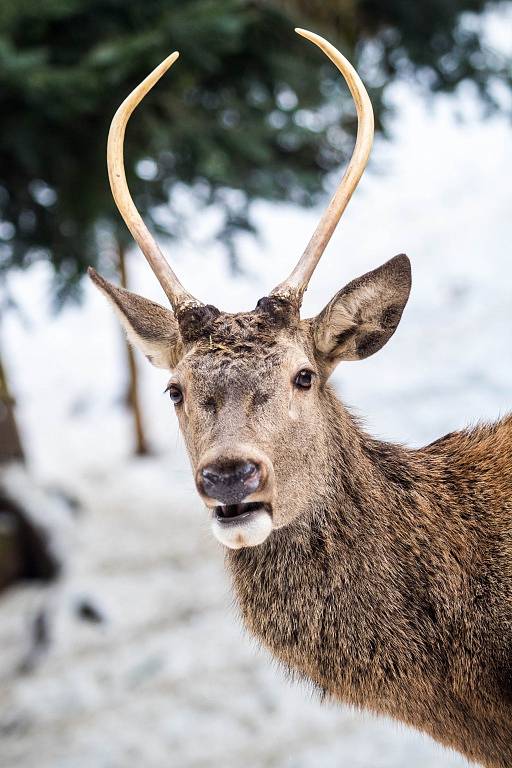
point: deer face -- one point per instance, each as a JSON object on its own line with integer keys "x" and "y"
{"x": 245, "y": 404}
{"x": 249, "y": 389}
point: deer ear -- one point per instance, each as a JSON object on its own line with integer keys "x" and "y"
{"x": 149, "y": 327}
{"x": 361, "y": 318}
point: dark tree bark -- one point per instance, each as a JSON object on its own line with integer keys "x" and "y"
{"x": 11, "y": 448}
{"x": 25, "y": 551}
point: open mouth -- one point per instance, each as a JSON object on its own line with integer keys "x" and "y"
{"x": 231, "y": 514}
{"x": 242, "y": 525}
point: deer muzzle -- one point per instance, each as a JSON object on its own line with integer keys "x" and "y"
{"x": 237, "y": 487}
{"x": 230, "y": 482}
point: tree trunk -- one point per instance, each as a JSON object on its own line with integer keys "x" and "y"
{"x": 11, "y": 448}
{"x": 133, "y": 399}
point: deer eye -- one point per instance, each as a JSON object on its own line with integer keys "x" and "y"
{"x": 175, "y": 393}
{"x": 303, "y": 379}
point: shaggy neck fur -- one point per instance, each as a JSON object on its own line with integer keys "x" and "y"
{"x": 394, "y": 592}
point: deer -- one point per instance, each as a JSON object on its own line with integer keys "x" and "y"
{"x": 380, "y": 574}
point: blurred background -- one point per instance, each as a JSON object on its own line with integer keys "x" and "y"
{"x": 120, "y": 644}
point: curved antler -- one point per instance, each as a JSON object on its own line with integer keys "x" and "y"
{"x": 175, "y": 292}
{"x": 295, "y": 285}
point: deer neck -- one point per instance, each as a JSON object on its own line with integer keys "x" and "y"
{"x": 297, "y": 589}
{"x": 363, "y": 593}
{"x": 392, "y": 592}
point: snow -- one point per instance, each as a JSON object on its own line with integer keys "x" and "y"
{"x": 170, "y": 677}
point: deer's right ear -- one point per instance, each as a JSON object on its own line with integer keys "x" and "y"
{"x": 149, "y": 327}
{"x": 364, "y": 315}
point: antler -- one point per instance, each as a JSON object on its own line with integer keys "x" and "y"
{"x": 294, "y": 286}
{"x": 175, "y": 292}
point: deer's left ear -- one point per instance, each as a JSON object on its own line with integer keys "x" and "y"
{"x": 361, "y": 318}
{"x": 149, "y": 327}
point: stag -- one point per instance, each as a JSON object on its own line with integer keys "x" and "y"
{"x": 381, "y": 574}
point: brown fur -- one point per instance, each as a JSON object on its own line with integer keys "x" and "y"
{"x": 386, "y": 578}
{"x": 394, "y": 591}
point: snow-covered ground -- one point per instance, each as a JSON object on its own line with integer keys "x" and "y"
{"x": 170, "y": 678}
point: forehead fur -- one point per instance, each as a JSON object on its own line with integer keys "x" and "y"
{"x": 234, "y": 350}
{"x": 245, "y": 334}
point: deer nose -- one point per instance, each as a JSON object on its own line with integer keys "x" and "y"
{"x": 230, "y": 482}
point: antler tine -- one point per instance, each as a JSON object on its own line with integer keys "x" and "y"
{"x": 295, "y": 285}
{"x": 174, "y": 290}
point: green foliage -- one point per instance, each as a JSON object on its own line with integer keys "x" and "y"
{"x": 232, "y": 120}
{"x": 439, "y": 42}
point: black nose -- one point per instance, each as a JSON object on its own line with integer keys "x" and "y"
{"x": 230, "y": 482}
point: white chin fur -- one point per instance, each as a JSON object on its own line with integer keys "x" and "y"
{"x": 248, "y": 534}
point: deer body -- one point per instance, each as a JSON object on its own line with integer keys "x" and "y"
{"x": 380, "y": 574}
{"x": 394, "y": 592}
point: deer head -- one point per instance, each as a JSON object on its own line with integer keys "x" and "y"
{"x": 250, "y": 389}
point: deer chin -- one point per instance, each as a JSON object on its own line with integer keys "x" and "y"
{"x": 242, "y": 525}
